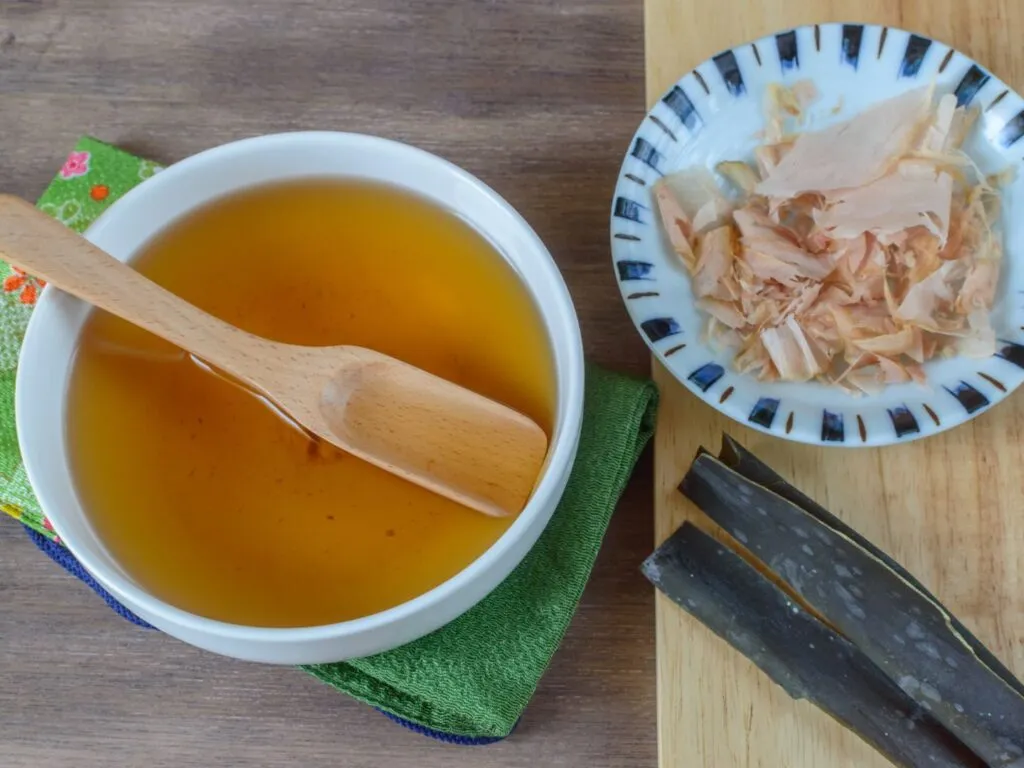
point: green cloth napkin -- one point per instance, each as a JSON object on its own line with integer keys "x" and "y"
{"x": 475, "y": 676}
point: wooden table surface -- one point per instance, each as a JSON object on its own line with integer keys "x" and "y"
{"x": 539, "y": 99}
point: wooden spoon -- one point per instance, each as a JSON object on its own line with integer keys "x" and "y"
{"x": 416, "y": 425}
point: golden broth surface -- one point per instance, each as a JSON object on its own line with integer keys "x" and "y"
{"x": 222, "y": 508}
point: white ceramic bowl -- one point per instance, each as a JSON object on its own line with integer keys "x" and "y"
{"x": 46, "y": 364}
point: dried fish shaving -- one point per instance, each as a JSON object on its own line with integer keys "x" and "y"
{"x": 851, "y": 254}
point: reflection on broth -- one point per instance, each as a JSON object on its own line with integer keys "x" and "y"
{"x": 218, "y": 505}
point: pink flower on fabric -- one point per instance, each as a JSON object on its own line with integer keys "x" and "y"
{"x": 49, "y": 526}
{"x": 77, "y": 164}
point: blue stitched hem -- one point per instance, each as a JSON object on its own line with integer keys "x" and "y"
{"x": 69, "y": 563}
{"x": 448, "y": 738}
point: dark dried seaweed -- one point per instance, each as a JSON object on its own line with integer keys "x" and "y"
{"x": 747, "y": 464}
{"x": 800, "y": 653}
{"x": 901, "y": 629}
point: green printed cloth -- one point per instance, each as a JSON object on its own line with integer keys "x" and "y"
{"x": 473, "y": 678}
{"x": 93, "y": 176}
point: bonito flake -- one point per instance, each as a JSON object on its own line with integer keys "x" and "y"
{"x": 851, "y": 254}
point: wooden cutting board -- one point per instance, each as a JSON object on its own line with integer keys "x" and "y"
{"x": 950, "y": 508}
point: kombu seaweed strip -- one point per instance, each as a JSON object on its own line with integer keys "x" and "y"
{"x": 903, "y": 631}
{"x": 747, "y": 464}
{"x": 800, "y": 653}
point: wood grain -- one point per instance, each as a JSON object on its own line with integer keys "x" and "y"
{"x": 946, "y": 507}
{"x": 539, "y": 99}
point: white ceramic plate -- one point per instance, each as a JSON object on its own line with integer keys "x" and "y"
{"x": 712, "y": 114}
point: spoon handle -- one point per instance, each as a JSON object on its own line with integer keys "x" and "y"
{"x": 44, "y": 248}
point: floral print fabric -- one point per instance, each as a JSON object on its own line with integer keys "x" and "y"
{"x": 92, "y": 177}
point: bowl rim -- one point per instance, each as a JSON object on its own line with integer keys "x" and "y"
{"x": 494, "y": 561}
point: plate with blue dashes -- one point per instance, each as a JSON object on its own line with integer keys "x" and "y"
{"x": 713, "y": 113}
